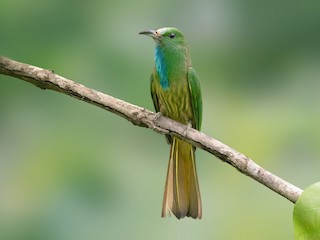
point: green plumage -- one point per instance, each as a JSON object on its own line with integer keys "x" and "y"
{"x": 176, "y": 93}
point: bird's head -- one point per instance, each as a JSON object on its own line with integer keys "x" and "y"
{"x": 166, "y": 37}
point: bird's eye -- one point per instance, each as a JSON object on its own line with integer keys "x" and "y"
{"x": 172, "y": 35}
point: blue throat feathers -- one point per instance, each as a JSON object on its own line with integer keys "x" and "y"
{"x": 161, "y": 68}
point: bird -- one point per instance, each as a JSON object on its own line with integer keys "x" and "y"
{"x": 176, "y": 94}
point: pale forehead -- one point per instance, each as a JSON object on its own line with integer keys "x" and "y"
{"x": 163, "y": 30}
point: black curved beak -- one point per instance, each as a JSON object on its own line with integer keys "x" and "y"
{"x": 151, "y": 33}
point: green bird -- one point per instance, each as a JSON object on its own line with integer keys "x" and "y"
{"x": 176, "y": 93}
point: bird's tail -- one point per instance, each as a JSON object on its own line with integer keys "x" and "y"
{"x": 182, "y": 194}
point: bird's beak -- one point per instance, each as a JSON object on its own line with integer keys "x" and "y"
{"x": 151, "y": 33}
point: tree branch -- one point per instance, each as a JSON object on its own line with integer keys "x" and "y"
{"x": 139, "y": 116}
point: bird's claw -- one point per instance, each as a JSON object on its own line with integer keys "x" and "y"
{"x": 157, "y": 116}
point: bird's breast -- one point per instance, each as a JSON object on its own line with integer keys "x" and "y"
{"x": 175, "y": 102}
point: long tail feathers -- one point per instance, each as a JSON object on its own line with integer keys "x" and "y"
{"x": 181, "y": 194}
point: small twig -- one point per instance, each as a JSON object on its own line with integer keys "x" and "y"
{"x": 46, "y": 79}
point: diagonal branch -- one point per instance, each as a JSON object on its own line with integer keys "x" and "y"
{"x": 142, "y": 117}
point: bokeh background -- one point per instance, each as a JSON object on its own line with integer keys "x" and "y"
{"x": 69, "y": 170}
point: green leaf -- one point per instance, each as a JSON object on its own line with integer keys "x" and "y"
{"x": 306, "y": 214}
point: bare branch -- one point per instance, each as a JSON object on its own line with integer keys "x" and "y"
{"x": 46, "y": 79}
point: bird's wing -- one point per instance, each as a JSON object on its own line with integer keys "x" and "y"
{"x": 154, "y": 93}
{"x": 196, "y": 99}
{"x": 156, "y": 100}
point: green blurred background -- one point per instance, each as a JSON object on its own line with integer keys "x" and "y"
{"x": 69, "y": 170}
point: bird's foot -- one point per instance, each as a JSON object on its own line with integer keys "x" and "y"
{"x": 188, "y": 126}
{"x": 157, "y": 116}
